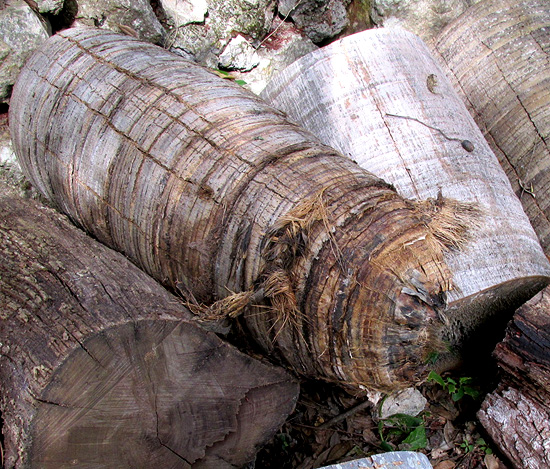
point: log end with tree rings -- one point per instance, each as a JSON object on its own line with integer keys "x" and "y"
{"x": 215, "y": 194}
{"x": 100, "y": 366}
{"x": 381, "y": 98}
{"x": 496, "y": 55}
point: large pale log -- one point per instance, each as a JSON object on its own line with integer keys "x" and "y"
{"x": 382, "y": 99}
{"x": 212, "y": 191}
{"x": 101, "y": 367}
{"x": 497, "y": 56}
{"x": 517, "y": 414}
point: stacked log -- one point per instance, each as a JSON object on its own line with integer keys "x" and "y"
{"x": 219, "y": 196}
{"x": 516, "y": 414}
{"x": 381, "y": 98}
{"x": 101, "y": 367}
{"x": 497, "y": 56}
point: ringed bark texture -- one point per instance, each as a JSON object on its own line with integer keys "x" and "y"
{"x": 212, "y": 191}
{"x": 100, "y": 365}
{"x": 497, "y": 55}
{"x": 381, "y": 98}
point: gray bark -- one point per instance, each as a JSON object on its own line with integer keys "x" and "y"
{"x": 381, "y": 98}
{"x": 497, "y": 57}
{"x": 516, "y": 414}
{"x": 101, "y": 367}
{"x": 211, "y": 191}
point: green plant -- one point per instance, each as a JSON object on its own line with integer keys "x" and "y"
{"x": 406, "y": 431}
{"x": 285, "y": 440}
{"x": 457, "y": 390}
{"x": 228, "y": 76}
{"x": 479, "y": 444}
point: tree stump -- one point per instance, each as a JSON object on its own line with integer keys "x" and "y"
{"x": 496, "y": 54}
{"x": 381, "y": 98}
{"x": 216, "y": 194}
{"x": 101, "y": 367}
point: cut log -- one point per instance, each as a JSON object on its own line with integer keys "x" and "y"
{"x": 381, "y": 98}
{"x": 101, "y": 367}
{"x": 517, "y": 413}
{"x": 212, "y": 191}
{"x": 497, "y": 55}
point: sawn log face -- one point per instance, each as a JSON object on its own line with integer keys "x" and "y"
{"x": 101, "y": 367}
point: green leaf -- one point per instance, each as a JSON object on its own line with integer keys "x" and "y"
{"x": 240, "y": 82}
{"x": 416, "y": 439}
{"x": 403, "y": 421}
{"x": 473, "y": 393}
{"x": 432, "y": 358}
{"x": 459, "y": 394}
{"x": 433, "y": 376}
{"x": 386, "y": 446}
{"x": 465, "y": 380}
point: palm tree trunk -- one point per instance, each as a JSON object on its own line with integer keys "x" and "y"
{"x": 382, "y": 99}
{"x": 213, "y": 192}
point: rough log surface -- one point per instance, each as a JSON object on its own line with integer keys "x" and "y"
{"x": 517, "y": 413}
{"x": 497, "y": 56}
{"x": 519, "y": 423}
{"x": 381, "y": 98}
{"x": 212, "y": 191}
{"x": 101, "y": 367}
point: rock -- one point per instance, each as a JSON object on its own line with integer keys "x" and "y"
{"x": 10, "y": 171}
{"x": 278, "y": 51}
{"x": 409, "y": 401}
{"x": 7, "y": 155}
{"x": 49, "y": 6}
{"x": 404, "y": 459}
{"x": 239, "y": 55}
{"x": 134, "y": 17}
{"x": 206, "y": 41}
{"x": 319, "y": 19}
{"x": 425, "y": 18}
{"x": 185, "y": 12}
{"x": 282, "y": 47}
{"x": 22, "y": 31}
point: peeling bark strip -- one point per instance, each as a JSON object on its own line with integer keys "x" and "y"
{"x": 189, "y": 176}
{"x": 517, "y": 413}
{"x": 381, "y": 98}
{"x": 101, "y": 367}
{"x": 497, "y": 55}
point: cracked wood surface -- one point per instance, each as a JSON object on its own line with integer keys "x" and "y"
{"x": 497, "y": 56}
{"x": 186, "y": 174}
{"x": 101, "y": 367}
{"x": 382, "y": 99}
{"x": 516, "y": 414}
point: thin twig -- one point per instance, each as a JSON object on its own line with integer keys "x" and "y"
{"x": 453, "y": 139}
{"x": 280, "y": 24}
{"x": 346, "y": 414}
